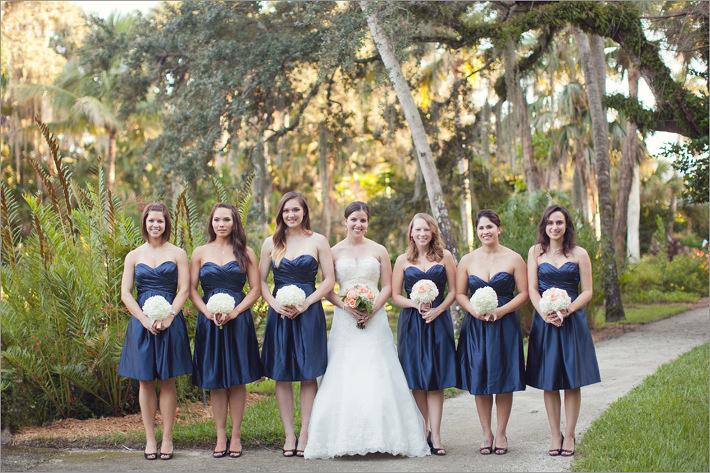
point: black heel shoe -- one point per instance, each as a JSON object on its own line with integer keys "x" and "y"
{"x": 150, "y": 456}
{"x": 222, "y": 453}
{"x": 569, "y": 453}
{"x": 500, "y": 450}
{"x": 428, "y": 440}
{"x": 487, "y": 450}
{"x": 555, "y": 452}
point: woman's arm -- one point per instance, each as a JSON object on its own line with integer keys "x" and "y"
{"x": 325, "y": 260}
{"x": 195, "y": 265}
{"x": 129, "y": 266}
{"x": 521, "y": 284}
{"x": 254, "y": 286}
{"x": 264, "y": 269}
{"x": 450, "y": 267}
{"x": 397, "y": 282}
{"x": 183, "y": 287}
{"x": 385, "y": 278}
{"x": 586, "y": 280}
{"x": 462, "y": 286}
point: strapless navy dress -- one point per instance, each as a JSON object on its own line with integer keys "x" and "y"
{"x": 146, "y": 356}
{"x": 296, "y": 349}
{"x": 561, "y": 357}
{"x": 490, "y": 354}
{"x": 230, "y": 356}
{"x": 427, "y": 352}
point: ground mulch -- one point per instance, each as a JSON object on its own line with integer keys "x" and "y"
{"x": 71, "y": 430}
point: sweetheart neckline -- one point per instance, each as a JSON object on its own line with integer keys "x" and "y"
{"x": 430, "y": 268}
{"x": 491, "y": 278}
{"x": 357, "y": 261}
{"x": 563, "y": 265}
{"x": 299, "y": 256}
{"x": 219, "y": 265}
{"x": 151, "y": 267}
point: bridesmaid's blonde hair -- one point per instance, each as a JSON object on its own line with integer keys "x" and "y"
{"x": 279, "y": 250}
{"x": 435, "y": 252}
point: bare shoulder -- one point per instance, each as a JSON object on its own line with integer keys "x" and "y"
{"x": 580, "y": 253}
{"x": 251, "y": 254}
{"x": 268, "y": 243}
{"x": 448, "y": 257}
{"x": 319, "y": 239}
{"x": 468, "y": 258}
{"x": 177, "y": 251}
{"x": 132, "y": 255}
{"x": 513, "y": 255}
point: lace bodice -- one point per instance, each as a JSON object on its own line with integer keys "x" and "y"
{"x": 349, "y": 272}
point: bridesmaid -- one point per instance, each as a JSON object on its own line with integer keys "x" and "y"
{"x": 295, "y": 340}
{"x": 425, "y": 334}
{"x": 490, "y": 349}
{"x": 226, "y": 348}
{"x": 154, "y": 349}
{"x": 560, "y": 349}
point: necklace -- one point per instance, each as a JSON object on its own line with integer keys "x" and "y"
{"x": 556, "y": 257}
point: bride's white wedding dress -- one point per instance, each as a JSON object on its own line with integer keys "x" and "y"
{"x": 363, "y": 403}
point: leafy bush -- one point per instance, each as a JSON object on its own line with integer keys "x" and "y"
{"x": 655, "y": 279}
{"x": 63, "y": 321}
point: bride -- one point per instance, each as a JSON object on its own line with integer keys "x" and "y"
{"x": 363, "y": 403}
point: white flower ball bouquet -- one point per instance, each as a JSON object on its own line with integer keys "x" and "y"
{"x": 157, "y": 308}
{"x": 221, "y": 303}
{"x": 484, "y": 300}
{"x": 555, "y": 300}
{"x": 290, "y": 296}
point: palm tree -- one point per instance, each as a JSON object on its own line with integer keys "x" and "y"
{"x": 88, "y": 98}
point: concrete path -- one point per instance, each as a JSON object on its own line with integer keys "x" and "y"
{"x": 624, "y": 362}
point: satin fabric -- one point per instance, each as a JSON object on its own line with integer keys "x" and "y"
{"x": 146, "y": 356}
{"x": 490, "y": 354}
{"x": 561, "y": 357}
{"x": 295, "y": 349}
{"x": 229, "y": 356}
{"x": 427, "y": 352}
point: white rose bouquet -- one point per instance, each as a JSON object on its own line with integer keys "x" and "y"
{"x": 221, "y": 303}
{"x": 554, "y": 300}
{"x": 290, "y": 296}
{"x": 484, "y": 300}
{"x": 424, "y": 291}
{"x": 157, "y": 308}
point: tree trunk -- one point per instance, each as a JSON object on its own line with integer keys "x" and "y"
{"x": 416, "y": 127}
{"x": 532, "y": 177}
{"x": 626, "y": 171}
{"x": 324, "y": 178}
{"x": 633, "y": 245}
{"x": 262, "y": 181}
{"x": 592, "y": 67}
{"x": 112, "y": 132}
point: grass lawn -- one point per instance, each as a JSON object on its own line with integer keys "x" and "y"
{"x": 643, "y": 313}
{"x": 660, "y": 425}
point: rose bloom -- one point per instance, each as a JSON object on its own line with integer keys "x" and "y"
{"x": 352, "y": 302}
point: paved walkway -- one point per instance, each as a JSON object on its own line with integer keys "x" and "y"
{"x": 624, "y": 362}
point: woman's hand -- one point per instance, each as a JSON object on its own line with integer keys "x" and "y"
{"x": 556, "y": 318}
{"x": 431, "y": 314}
{"x": 285, "y": 311}
{"x": 149, "y": 324}
{"x": 424, "y": 308}
{"x": 163, "y": 325}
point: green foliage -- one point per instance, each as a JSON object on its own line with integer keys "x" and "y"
{"x": 661, "y": 425}
{"x": 691, "y": 159}
{"x": 655, "y": 279}
{"x": 63, "y": 319}
{"x": 645, "y": 312}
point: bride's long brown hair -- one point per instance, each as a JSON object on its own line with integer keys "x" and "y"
{"x": 279, "y": 250}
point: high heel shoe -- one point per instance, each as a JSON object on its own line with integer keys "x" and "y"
{"x": 569, "y": 453}
{"x": 554, "y": 452}
{"x": 488, "y": 449}
{"x": 150, "y": 456}
{"x": 222, "y": 453}
{"x": 500, "y": 450}
{"x": 428, "y": 440}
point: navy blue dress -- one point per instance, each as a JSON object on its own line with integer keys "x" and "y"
{"x": 146, "y": 356}
{"x": 296, "y": 349}
{"x": 561, "y": 357}
{"x": 490, "y": 354}
{"x": 230, "y": 356}
{"x": 427, "y": 352}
